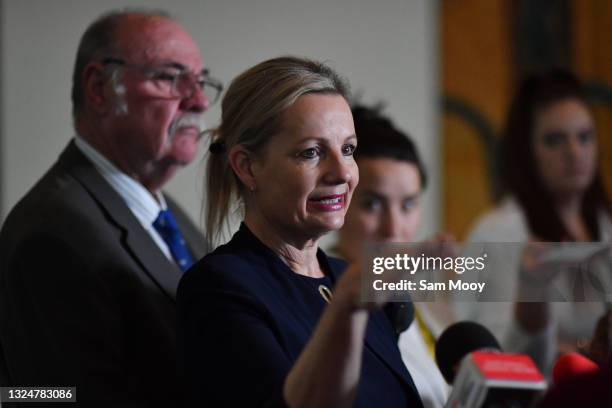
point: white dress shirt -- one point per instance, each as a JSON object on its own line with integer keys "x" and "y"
{"x": 139, "y": 200}
{"x": 427, "y": 378}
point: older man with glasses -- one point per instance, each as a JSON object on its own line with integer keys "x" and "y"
{"x": 91, "y": 257}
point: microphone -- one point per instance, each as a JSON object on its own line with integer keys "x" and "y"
{"x": 589, "y": 390}
{"x": 401, "y": 315}
{"x": 458, "y": 340}
{"x": 470, "y": 358}
{"x": 571, "y": 365}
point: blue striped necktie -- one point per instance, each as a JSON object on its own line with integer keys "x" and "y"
{"x": 166, "y": 226}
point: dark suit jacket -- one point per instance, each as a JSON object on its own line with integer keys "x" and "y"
{"x": 87, "y": 299}
{"x": 243, "y": 323}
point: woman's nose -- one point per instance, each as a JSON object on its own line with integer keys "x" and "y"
{"x": 339, "y": 169}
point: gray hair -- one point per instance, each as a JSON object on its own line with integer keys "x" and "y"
{"x": 99, "y": 41}
{"x": 251, "y": 115}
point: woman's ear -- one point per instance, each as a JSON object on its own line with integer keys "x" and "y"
{"x": 241, "y": 161}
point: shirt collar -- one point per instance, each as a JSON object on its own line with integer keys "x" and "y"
{"x": 144, "y": 205}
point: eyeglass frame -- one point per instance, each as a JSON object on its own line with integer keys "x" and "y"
{"x": 152, "y": 70}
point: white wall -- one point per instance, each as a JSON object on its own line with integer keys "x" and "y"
{"x": 386, "y": 48}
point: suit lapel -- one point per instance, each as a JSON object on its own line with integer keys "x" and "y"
{"x": 136, "y": 240}
{"x": 381, "y": 345}
{"x": 278, "y": 276}
{"x": 384, "y": 347}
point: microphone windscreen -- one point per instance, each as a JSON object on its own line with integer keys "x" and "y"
{"x": 401, "y": 315}
{"x": 457, "y": 341}
{"x": 570, "y": 365}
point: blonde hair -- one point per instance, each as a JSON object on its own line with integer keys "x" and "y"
{"x": 251, "y": 115}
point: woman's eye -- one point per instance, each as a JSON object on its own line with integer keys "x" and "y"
{"x": 586, "y": 136}
{"x": 554, "y": 139}
{"x": 348, "y": 149}
{"x": 309, "y": 153}
{"x": 371, "y": 204}
{"x": 408, "y": 204}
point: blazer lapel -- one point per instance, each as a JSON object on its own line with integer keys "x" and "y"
{"x": 277, "y": 276}
{"x": 137, "y": 241}
{"x": 382, "y": 346}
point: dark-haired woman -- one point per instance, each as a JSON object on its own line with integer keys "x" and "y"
{"x": 387, "y": 208}
{"x": 556, "y": 194}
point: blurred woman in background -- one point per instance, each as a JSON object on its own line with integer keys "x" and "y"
{"x": 556, "y": 193}
{"x": 386, "y": 208}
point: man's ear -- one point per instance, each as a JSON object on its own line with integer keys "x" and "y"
{"x": 242, "y": 162}
{"x": 94, "y": 88}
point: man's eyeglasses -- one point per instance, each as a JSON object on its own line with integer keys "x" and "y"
{"x": 172, "y": 80}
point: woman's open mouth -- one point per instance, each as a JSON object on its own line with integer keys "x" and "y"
{"x": 333, "y": 202}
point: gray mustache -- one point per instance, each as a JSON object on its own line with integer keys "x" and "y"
{"x": 188, "y": 120}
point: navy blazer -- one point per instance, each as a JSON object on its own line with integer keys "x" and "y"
{"x": 243, "y": 321}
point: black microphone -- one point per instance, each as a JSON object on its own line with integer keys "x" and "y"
{"x": 470, "y": 358}
{"x": 401, "y": 315}
{"x": 457, "y": 341}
